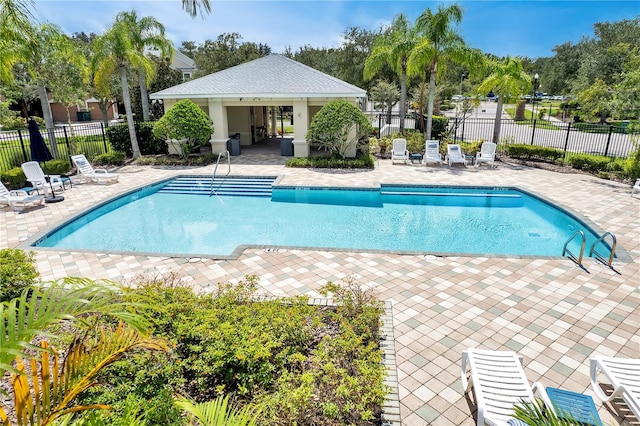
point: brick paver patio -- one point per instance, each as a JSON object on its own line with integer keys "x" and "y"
{"x": 551, "y": 312}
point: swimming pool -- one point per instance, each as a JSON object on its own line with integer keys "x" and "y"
{"x": 407, "y": 219}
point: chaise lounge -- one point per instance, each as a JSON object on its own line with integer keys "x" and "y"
{"x": 624, "y": 376}
{"x": 86, "y": 172}
{"x": 19, "y": 200}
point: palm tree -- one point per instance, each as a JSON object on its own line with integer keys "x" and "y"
{"x": 115, "y": 51}
{"x": 508, "y": 81}
{"x": 393, "y": 48}
{"x": 193, "y": 7}
{"x": 438, "y": 41}
{"x": 146, "y": 32}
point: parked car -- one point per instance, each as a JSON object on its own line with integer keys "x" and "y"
{"x": 457, "y": 98}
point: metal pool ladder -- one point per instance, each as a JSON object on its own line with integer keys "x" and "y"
{"x": 612, "y": 250}
{"x": 572, "y": 256}
{"x": 215, "y": 170}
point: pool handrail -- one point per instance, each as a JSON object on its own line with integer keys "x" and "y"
{"x": 565, "y": 249}
{"x": 215, "y": 169}
{"x": 612, "y": 249}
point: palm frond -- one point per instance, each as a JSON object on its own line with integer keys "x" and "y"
{"x": 46, "y": 390}
{"x": 31, "y": 314}
{"x": 218, "y": 412}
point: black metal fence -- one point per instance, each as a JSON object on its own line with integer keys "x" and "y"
{"x": 63, "y": 141}
{"x": 608, "y": 140}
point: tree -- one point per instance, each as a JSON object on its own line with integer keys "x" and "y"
{"x": 385, "y": 95}
{"x": 595, "y": 101}
{"x": 146, "y": 32}
{"x": 507, "y": 80}
{"x": 339, "y": 125}
{"x": 225, "y": 52}
{"x": 71, "y": 78}
{"x": 115, "y": 51}
{"x": 352, "y": 54}
{"x": 42, "y": 54}
{"x": 393, "y": 48}
{"x": 438, "y": 41}
{"x": 15, "y": 30}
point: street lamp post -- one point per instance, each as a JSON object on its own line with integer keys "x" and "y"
{"x": 462, "y": 77}
{"x": 533, "y": 97}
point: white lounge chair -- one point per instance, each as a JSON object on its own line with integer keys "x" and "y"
{"x": 455, "y": 155}
{"x": 399, "y": 150}
{"x": 87, "y": 172}
{"x": 38, "y": 179}
{"x": 432, "y": 153}
{"x": 624, "y": 376}
{"x": 636, "y": 187}
{"x": 487, "y": 154}
{"x": 19, "y": 200}
{"x": 499, "y": 384}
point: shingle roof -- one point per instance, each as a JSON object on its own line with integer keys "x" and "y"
{"x": 272, "y": 76}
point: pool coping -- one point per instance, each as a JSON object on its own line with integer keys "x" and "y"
{"x": 622, "y": 256}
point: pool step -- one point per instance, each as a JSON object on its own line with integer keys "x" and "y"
{"x": 259, "y": 186}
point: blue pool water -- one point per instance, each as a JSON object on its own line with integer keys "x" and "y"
{"x": 494, "y": 221}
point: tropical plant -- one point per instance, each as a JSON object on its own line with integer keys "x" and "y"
{"x": 339, "y": 125}
{"x": 508, "y": 81}
{"x": 36, "y": 309}
{"x": 146, "y": 32}
{"x": 536, "y": 414}
{"x": 438, "y": 42}
{"x": 392, "y": 48}
{"x": 115, "y": 51}
{"x": 185, "y": 120}
{"x": 217, "y": 412}
{"x": 47, "y": 388}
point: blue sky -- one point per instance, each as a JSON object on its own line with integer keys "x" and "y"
{"x": 517, "y": 28}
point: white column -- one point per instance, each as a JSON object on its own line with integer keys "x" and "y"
{"x": 218, "y": 114}
{"x": 274, "y": 132}
{"x": 300, "y": 128}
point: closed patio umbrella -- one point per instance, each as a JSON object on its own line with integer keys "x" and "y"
{"x": 40, "y": 153}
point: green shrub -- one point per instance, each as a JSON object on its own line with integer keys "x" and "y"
{"x": 588, "y": 162}
{"x": 115, "y": 158}
{"x": 439, "y": 127}
{"x": 187, "y": 120}
{"x": 17, "y": 272}
{"x": 119, "y": 139}
{"x": 56, "y": 167}
{"x": 534, "y": 152}
{"x": 365, "y": 161}
{"x": 172, "y": 160}
{"x": 14, "y": 178}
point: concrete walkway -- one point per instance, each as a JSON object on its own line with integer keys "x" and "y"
{"x": 551, "y": 312}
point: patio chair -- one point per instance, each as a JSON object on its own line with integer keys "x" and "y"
{"x": 432, "y": 153}
{"x": 624, "y": 376}
{"x": 399, "y": 150}
{"x": 37, "y": 178}
{"x": 88, "y": 173}
{"x": 636, "y": 187}
{"x": 455, "y": 155}
{"x": 19, "y": 199}
{"x": 487, "y": 154}
{"x": 499, "y": 383}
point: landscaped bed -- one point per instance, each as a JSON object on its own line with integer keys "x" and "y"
{"x": 297, "y": 363}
